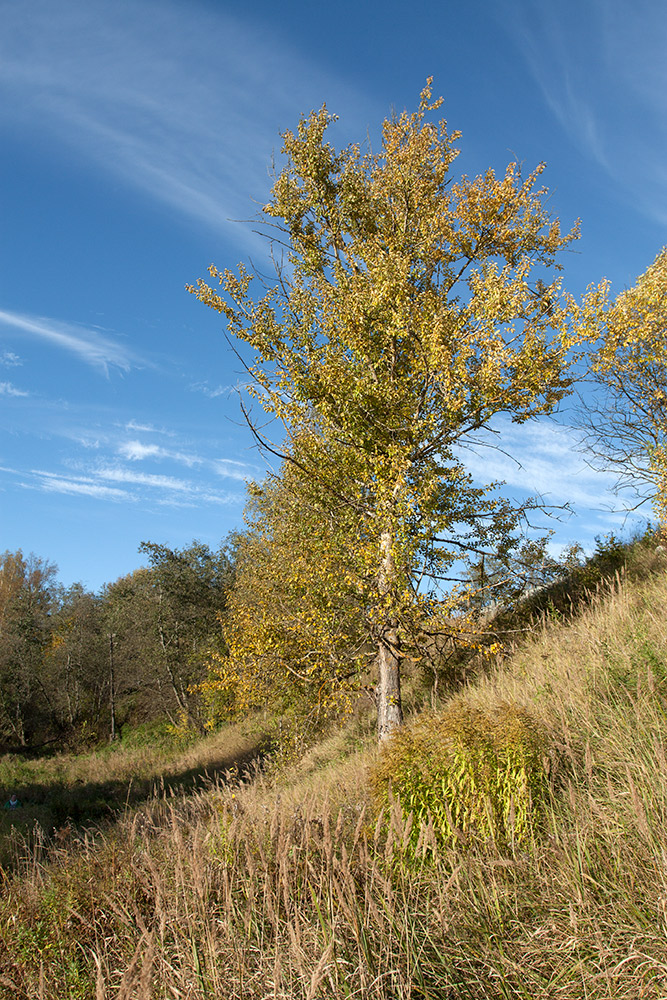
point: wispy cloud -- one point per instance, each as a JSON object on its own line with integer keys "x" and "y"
{"x": 213, "y": 392}
{"x": 233, "y": 470}
{"x": 88, "y": 345}
{"x": 137, "y": 451}
{"x": 120, "y": 485}
{"x": 602, "y": 70}
{"x": 542, "y": 458}
{"x": 80, "y": 486}
{"x": 138, "y": 88}
{"x": 132, "y": 425}
{"x": 173, "y": 492}
{"x": 10, "y": 360}
{"x": 119, "y": 475}
{"x": 7, "y": 389}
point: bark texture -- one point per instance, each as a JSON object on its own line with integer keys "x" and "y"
{"x": 389, "y": 707}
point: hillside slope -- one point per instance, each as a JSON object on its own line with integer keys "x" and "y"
{"x": 290, "y": 885}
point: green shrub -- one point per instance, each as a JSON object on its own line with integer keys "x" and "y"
{"x": 473, "y": 773}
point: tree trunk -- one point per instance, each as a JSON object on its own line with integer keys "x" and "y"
{"x": 112, "y": 691}
{"x": 165, "y": 644}
{"x": 390, "y": 710}
{"x": 68, "y": 696}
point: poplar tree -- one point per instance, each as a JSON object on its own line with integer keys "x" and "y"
{"x": 409, "y": 310}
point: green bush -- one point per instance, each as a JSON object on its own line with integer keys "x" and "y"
{"x": 473, "y": 773}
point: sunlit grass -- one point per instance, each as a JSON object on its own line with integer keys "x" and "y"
{"x": 290, "y": 885}
{"x": 67, "y": 790}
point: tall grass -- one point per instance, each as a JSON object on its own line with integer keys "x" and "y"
{"x": 468, "y": 773}
{"x": 297, "y": 888}
{"x": 66, "y": 789}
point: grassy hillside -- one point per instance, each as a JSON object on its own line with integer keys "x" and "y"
{"x": 291, "y": 884}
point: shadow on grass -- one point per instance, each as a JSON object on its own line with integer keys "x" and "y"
{"x": 51, "y": 809}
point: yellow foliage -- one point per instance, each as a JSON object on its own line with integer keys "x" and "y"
{"x": 294, "y": 626}
{"x": 630, "y": 362}
{"x": 410, "y": 311}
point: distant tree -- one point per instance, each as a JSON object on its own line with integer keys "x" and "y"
{"x": 627, "y": 425}
{"x": 75, "y": 657}
{"x": 186, "y": 589}
{"x": 129, "y": 678}
{"x": 410, "y": 310}
{"x": 27, "y": 599}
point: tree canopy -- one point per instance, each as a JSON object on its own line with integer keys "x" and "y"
{"x": 627, "y": 431}
{"x": 409, "y": 309}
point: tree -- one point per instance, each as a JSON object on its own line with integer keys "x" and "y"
{"x": 159, "y": 624}
{"x": 27, "y": 598}
{"x": 294, "y": 627}
{"x": 130, "y": 678}
{"x": 627, "y": 431}
{"x": 501, "y": 579}
{"x": 187, "y": 590}
{"x": 408, "y": 312}
{"x": 75, "y": 657}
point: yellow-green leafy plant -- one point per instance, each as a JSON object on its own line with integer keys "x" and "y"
{"x": 473, "y": 773}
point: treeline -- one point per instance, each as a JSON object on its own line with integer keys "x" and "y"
{"x": 76, "y": 664}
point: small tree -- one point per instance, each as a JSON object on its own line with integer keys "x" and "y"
{"x": 627, "y": 431}
{"x": 295, "y": 628}
{"x": 410, "y": 310}
{"x": 27, "y": 598}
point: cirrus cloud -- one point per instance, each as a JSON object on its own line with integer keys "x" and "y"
{"x": 88, "y": 345}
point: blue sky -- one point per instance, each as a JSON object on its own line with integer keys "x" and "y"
{"x": 137, "y": 138}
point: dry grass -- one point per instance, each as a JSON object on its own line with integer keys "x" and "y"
{"x": 68, "y": 789}
{"x": 288, "y": 886}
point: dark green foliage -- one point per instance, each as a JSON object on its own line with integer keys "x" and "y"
{"x": 185, "y": 591}
{"x": 76, "y": 667}
{"x": 28, "y": 596}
